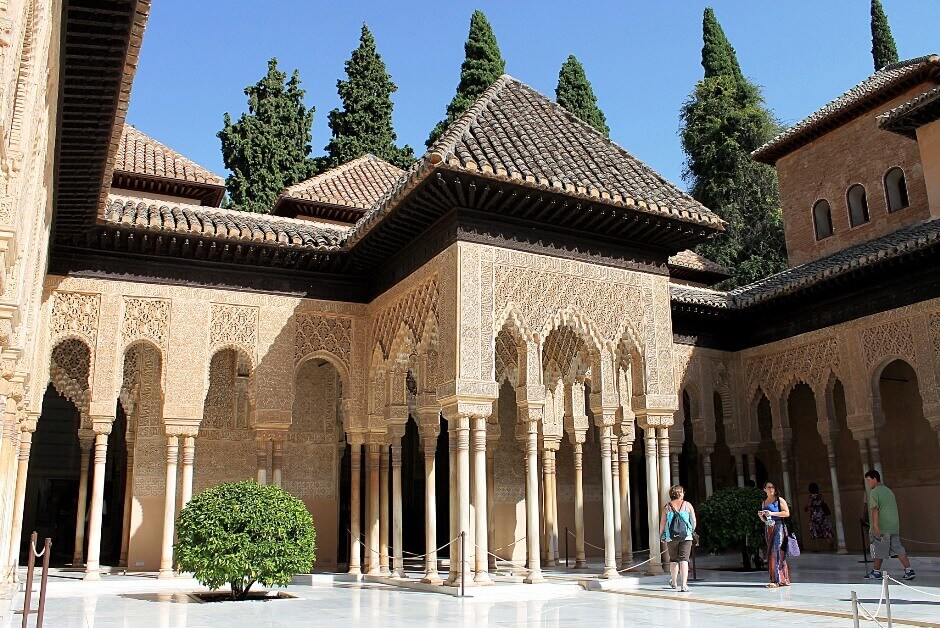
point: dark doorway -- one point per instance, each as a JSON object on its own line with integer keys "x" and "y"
{"x": 345, "y": 511}
{"x": 412, "y": 491}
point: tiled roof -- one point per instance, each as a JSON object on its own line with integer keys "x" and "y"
{"x": 514, "y": 133}
{"x": 694, "y": 261}
{"x": 901, "y": 242}
{"x": 853, "y": 102}
{"x": 358, "y": 183}
{"x": 197, "y": 220}
{"x": 140, "y": 154}
{"x": 906, "y": 118}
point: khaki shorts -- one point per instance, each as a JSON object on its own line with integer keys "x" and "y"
{"x": 887, "y": 546}
{"x": 679, "y": 551}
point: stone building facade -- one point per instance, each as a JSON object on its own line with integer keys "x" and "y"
{"x": 509, "y": 340}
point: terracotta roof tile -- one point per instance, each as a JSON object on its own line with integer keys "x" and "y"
{"x": 139, "y": 153}
{"x": 901, "y": 242}
{"x": 514, "y": 133}
{"x": 906, "y": 118}
{"x": 881, "y": 81}
{"x": 694, "y": 261}
{"x": 213, "y": 222}
{"x": 358, "y": 183}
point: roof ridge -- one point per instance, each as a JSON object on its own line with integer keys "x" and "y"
{"x": 448, "y": 141}
{"x": 171, "y": 152}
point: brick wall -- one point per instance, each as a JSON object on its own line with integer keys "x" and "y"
{"x": 856, "y": 152}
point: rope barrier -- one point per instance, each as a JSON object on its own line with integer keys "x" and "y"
{"x": 648, "y": 560}
{"x": 869, "y": 616}
{"x": 910, "y": 587}
{"x": 413, "y": 556}
{"x": 37, "y": 554}
{"x": 904, "y": 538}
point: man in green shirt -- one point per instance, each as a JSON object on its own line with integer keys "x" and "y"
{"x": 885, "y": 526}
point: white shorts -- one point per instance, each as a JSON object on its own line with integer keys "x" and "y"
{"x": 886, "y": 546}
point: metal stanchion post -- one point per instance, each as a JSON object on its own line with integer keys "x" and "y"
{"x": 463, "y": 562}
{"x": 46, "y": 552}
{"x": 30, "y": 564}
{"x": 861, "y": 525}
{"x": 887, "y": 595}
{"x": 566, "y": 547}
{"x": 854, "y": 609}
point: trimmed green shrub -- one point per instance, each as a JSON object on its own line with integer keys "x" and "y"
{"x": 243, "y": 532}
{"x": 728, "y": 520}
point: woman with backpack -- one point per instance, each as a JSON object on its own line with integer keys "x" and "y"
{"x": 774, "y": 515}
{"x": 819, "y": 526}
{"x": 676, "y": 527}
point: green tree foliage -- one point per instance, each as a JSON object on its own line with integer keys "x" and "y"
{"x": 268, "y": 148}
{"x": 364, "y": 124}
{"x": 728, "y": 520}
{"x": 243, "y": 532}
{"x": 482, "y": 65}
{"x": 575, "y": 94}
{"x": 883, "y": 48}
{"x": 725, "y": 119}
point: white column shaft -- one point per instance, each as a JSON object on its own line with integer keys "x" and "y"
{"x": 626, "y": 521}
{"x": 398, "y": 563}
{"x": 836, "y": 498}
{"x": 355, "y": 507}
{"x": 169, "y": 510}
{"x": 607, "y": 492}
{"x": 430, "y": 512}
{"x": 479, "y": 502}
{"x": 383, "y": 510}
{"x": 128, "y": 507}
{"x": 617, "y": 503}
{"x": 532, "y": 502}
{"x": 372, "y": 486}
{"x": 652, "y": 500}
{"x": 580, "y": 558}
{"x": 188, "y": 460}
{"x": 19, "y": 498}
{"x": 78, "y": 554}
{"x": 93, "y": 567}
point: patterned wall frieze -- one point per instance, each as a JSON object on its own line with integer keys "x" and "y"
{"x": 234, "y": 325}
{"x": 892, "y": 338}
{"x": 413, "y": 307}
{"x": 316, "y": 332}
{"x": 75, "y": 314}
{"x": 146, "y": 319}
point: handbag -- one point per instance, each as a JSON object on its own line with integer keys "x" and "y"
{"x": 793, "y": 546}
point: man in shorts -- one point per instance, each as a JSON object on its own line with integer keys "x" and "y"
{"x": 885, "y": 527}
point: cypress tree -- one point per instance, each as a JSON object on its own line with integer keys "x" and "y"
{"x": 268, "y": 148}
{"x": 883, "y": 49}
{"x": 574, "y": 93}
{"x": 724, "y": 120}
{"x": 364, "y": 124}
{"x": 482, "y": 65}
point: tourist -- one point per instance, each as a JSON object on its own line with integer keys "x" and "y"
{"x": 676, "y": 527}
{"x": 885, "y": 526}
{"x": 774, "y": 514}
{"x": 819, "y": 526}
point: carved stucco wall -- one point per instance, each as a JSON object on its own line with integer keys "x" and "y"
{"x": 312, "y": 449}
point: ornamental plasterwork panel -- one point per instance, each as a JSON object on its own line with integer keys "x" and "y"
{"x": 234, "y": 325}
{"x": 893, "y": 338}
{"x": 810, "y": 363}
{"x": 75, "y": 314}
{"x": 145, "y": 319}
{"x": 413, "y": 308}
{"x": 315, "y": 332}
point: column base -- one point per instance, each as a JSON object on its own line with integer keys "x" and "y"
{"x": 610, "y": 573}
{"x": 580, "y": 563}
{"x": 654, "y": 570}
{"x": 399, "y": 573}
{"x": 166, "y": 574}
{"x": 482, "y": 578}
{"x": 385, "y": 571}
{"x": 354, "y": 571}
{"x": 626, "y": 560}
{"x": 534, "y": 577}
{"x": 432, "y": 578}
{"x": 842, "y": 550}
{"x": 122, "y": 564}
{"x": 550, "y": 562}
{"x": 92, "y": 575}
{"x": 468, "y": 583}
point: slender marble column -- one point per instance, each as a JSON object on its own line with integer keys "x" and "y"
{"x": 617, "y": 502}
{"x": 836, "y": 498}
{"x": 169, "y": 510}
{"x": 430, "y": 512}
{"x": 277, "y": 461}
{"x": 372, "y": 486}
{"x": 93, "y": 567}
{"x": 532, "y": 502}
{"x": 785, "y": 470}
{"x": 664, "y": 480}
{"x": 355, "y": 475}
{"x": 19, "y": 499}
{"x": 398, "y": 563}
{"x": 580, "y": 559}
{"x": 462, "y": 429}
{"x": 752, "y": 467}
{"x": 739, "y": 466}
{"x": 480, "y": 505}
{"x": 261, "y": 453}
{"x": 707, "y": 469}
{"x": 383, "y": 510}
{"x": 866, "y": 465}
{"x": 454, "y": 550}
{"x": 86, "y": 443}
{"x": 607, "y": 491}
{"x": 652, "y": 500}
{"x": 876, "y": 456}
{"x": 188, "y": 459}
{"x": 128, "y": 505}
{"x": 548, "y": 476}
{"x": 626, "y": 523}
{"x": 491, "y": 506}
{"x": 674, "y": 468}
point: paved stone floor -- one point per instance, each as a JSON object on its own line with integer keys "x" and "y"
{"x": 822, "y": 584}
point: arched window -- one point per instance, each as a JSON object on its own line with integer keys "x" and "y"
{"x": 822, "y": 219}
{"x": 858, "y": 205}
{"x": 896, "y": 190}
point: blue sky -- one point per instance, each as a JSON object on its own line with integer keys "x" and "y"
{"x": 642, "y": 57}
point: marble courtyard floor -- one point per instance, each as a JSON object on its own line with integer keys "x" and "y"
{"x": 819, "y": 596}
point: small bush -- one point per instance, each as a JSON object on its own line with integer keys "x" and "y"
{"x": 728, "y": 520}
{"x": 241, "y": 533}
